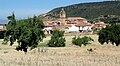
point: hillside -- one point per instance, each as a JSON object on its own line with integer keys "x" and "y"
{"x": 89, "y": 10}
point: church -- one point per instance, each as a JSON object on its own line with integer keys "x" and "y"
{"x": 68, "y": 24}
{"x": 65, "y": 22}
{"x": 71, "y": 19}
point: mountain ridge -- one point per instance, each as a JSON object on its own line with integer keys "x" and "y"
{"x": 3, "y": 21}
{"x": 88, "y": 10}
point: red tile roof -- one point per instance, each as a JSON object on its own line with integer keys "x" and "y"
{"x": 80, "y": 24}
{"x": 49, "y": 24}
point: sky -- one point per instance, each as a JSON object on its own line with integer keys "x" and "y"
{"x": 28, "y": 8}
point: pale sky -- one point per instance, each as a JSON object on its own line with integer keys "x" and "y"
{"x": 28, "y": 8}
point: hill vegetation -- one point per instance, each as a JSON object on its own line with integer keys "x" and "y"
{"x": 89, "y": 10}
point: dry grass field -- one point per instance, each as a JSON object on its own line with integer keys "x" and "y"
{"x": 71, "y": 55}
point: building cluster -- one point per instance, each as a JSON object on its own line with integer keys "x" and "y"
{"x": 2, "y": 27}
{"x": 68, "y": 24}
{"x": 71, "y": 24}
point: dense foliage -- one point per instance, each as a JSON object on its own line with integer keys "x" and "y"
{"x": 110, "y": 34}
{"x": 2, "y": 34}
{"x": 27, "y": 32}
{"x": 109, "y": 19}
{"x": 89, "y": 10}
{"x": 57, "y": 39}
{"x": 81, "y": 41}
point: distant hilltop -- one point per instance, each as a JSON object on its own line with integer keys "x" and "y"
{"x": 2, "y": 21}
{"x": 88, "y": 10}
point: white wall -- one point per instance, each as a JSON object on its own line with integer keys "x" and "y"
{"x": 47, "y": 28}
{"x": 73, "y": 28}
{"x": 1, "y": 27}
{"x": 85, "y": 28}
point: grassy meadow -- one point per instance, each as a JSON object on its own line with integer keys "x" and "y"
{"x": 71, "y": 55}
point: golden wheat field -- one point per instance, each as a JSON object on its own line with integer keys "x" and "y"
{"x": 71, "y": 55}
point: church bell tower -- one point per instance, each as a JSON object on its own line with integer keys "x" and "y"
{"x": 62, "y": 14}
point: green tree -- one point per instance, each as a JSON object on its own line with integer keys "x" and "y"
{"x": 81, "y": 41}
{"x": 57, "y": 39}
{"x": 2, "y": 34}
{"x": 110, "y": 34}
{"x": 110, "y": 19}
{"x": 27, "y": 32}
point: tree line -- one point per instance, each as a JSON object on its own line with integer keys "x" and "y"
{"x": 29, "y": 33}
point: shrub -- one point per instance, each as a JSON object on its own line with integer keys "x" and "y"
{"x": 81, "y": 41}
{"x": 57, "y": 39}
{"x": 110, "y": 34}
{"x": 2, "y": 34}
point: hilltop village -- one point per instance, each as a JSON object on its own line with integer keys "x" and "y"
{"x": 68, "y": 24}
{"x": 71, "y": 24}
{"x": 85, "y": 34}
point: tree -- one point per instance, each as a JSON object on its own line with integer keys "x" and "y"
{"x": 111, "y": 19}
{"x": 81, "y": 41}
{"x": 57, "y": 39}
{"x": 110, "y": 34}
{"x": 2, "y": 34}
{"x": 27, "y": 32}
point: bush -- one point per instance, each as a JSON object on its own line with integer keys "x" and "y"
{"x": 81, "y": 41}
{"x": 2, "y": 34}
{"x": 110, "y": 34}
{"x": 57, "y": 39}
